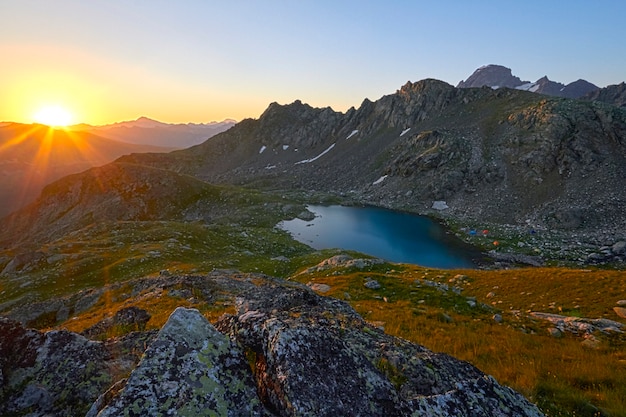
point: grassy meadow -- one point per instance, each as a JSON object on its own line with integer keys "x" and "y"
{"x": 564, "y": 375}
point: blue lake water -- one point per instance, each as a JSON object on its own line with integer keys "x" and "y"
{"x": 387, "y": 234}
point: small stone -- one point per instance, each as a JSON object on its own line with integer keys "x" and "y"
{"x": 620, "y": 311}
{"x": 621, "y": 303}
{"x": 280, "y": 259}
{"x": 497, "y": 318}
{"x": 319, "y": 287}
{"x": 306, "y": 215}
{"x": 372, "y": 285}
{"x": 444, "y": 318}
{"x": 591, "y": 343}
{"x": 554, "y": 332}
{"x": 619, "y": 247}
{"x": 491, "y": 294}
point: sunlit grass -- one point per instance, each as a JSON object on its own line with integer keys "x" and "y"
{"x": 561, "y": 375}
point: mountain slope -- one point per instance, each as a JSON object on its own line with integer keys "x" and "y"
{"x": 119, "y": 192}
{"x": 32, "y": 156}
{"x": 504, "y": 156}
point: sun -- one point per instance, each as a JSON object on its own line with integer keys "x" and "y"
{"x": 53, "y": 116}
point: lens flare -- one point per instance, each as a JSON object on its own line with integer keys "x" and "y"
{"x": 54, "y": 116}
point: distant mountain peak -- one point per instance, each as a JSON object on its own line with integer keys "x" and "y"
{"x": 494, "y": 76}
{"x": 498, "y": 76}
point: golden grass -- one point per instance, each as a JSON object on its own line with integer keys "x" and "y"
{"x": 560, "y": 374}
{"x": 158, "y": 304}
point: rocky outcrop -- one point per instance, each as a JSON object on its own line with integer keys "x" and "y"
{"x": 612, "y": 94}
{"x": 309, "y": 362}
{"x": 189, "y": 369}
{"x": 53, "y": 374}
{"x": 286, "y": 351}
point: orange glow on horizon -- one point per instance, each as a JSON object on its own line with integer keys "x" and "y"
{"x": 99, "y": 91}
{"x": 46, "y": 154}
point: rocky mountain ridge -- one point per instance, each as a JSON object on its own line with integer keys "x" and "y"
{"x": 612, "y": 94}
{"x": 498, "y": 76}
{"x": 506, "y": 157}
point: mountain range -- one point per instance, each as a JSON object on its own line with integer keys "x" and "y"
{"x": 503, "y": 156}
{"x": 32, "y": 156}
{"x": 145, "y": 131}
{"x": 498, "y": 76}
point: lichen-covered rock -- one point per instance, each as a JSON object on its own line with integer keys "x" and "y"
{"x": 53, "y": 373}
{"x": 286, "y": 352}
{"x": 316, "y": 356}
{"x": 190, "y": 369}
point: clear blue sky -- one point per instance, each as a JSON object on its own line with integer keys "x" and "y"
{"x": 204, "y": 60}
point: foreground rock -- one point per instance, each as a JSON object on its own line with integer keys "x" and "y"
{"x": 57, "y": 373}
{"x": 285, "y": 352}
{"x": 310, "y": 362}
{"x": 188, "y": 369}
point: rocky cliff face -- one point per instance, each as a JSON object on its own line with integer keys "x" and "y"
{"x": 285, "y": 352}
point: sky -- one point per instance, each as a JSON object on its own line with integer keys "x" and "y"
{"x": 202, "y": 60}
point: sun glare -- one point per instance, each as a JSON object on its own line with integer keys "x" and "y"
{"x": 54, "y": 116}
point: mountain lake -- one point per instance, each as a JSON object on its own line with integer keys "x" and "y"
{"x": 391, "y": 235}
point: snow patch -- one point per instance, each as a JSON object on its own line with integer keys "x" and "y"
{"x": 440, "y": 205}
{"x": 525, "y": 87}
{"x": 263, "y": 148}
{"x": 534, "y": 88}
{"x": 378, "y": 181}
{"x": 306, "y": 161}
{"x": 404, "y": 132}
{"x": 495, "y": 87}
{"x": 354, "y": 132}
{"x": 270, "y": 167}
{"x": 285, "y": 147}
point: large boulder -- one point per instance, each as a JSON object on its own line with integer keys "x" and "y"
{"x": 316, "y": 356}
{"x": 190, "y": 369}
{"x": 53, "y": 374}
